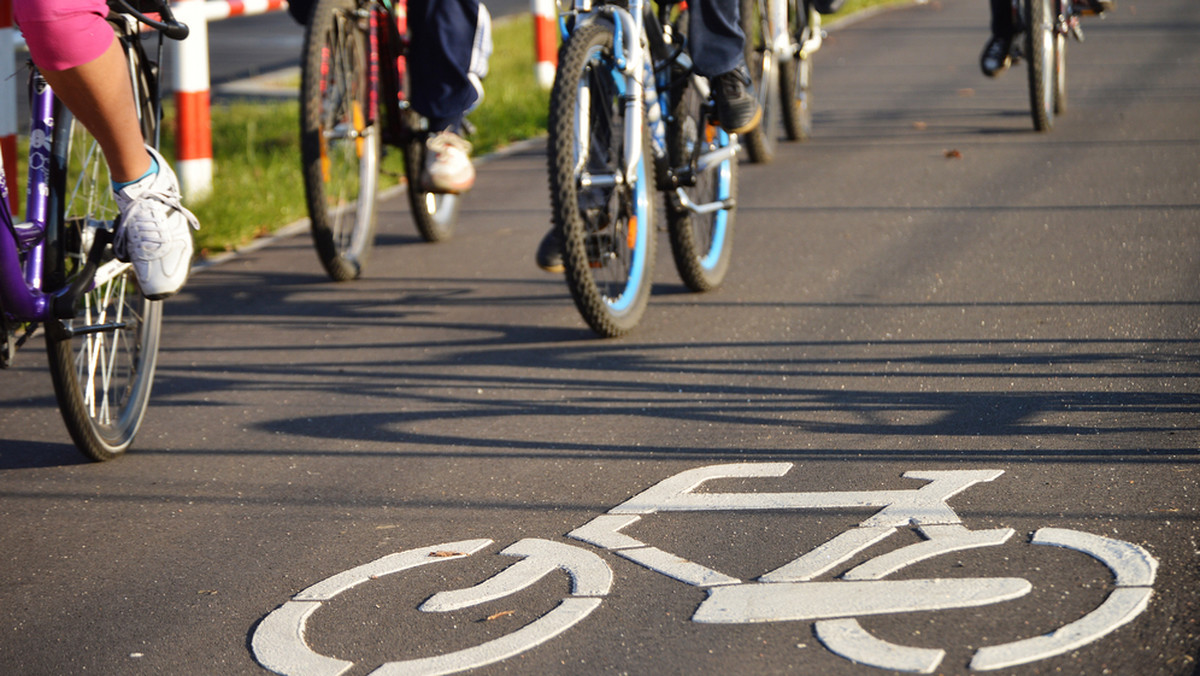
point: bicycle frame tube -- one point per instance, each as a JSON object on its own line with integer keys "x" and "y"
{"x": 20, "y": 284}
{"x": 628, "y": 25}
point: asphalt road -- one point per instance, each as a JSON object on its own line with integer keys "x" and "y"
{"x": 927, "y": 285}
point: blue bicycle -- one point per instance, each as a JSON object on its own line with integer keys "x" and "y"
{"x": 627, "y": 116}
{"x": 57, "y": 268}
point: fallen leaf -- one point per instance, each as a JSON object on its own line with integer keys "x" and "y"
{"x": 966, "y": 91}
{"x": 441, "y": 554}
{"x": 953, "y": 155}
{"x": 502, "y": 613}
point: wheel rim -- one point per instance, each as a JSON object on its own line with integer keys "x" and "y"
{"x": 347, "y": 138}
{"x": 616, "y": 219}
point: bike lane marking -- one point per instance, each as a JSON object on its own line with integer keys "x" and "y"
{"x": 279, "y": 641}
{"x": 1134, "y": 569}
{"x": 786, "y": 594}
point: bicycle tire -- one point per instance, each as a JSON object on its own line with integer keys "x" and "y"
{"x": 1060, "y": 73}
{"x": 701, "y": 244}
{"x": 795, "y": 80}
{"x": 339, "y": 137}
{"x": 761, "y": 142}
{"x": 435, "y": 214}
{"x": 1039, "y": 46}
{"x": 102, "y": 361}
{"x": 608, "y": 232}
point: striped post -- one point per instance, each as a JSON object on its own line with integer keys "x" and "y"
{"x": 545, "y": 39}
{"x": 193, "y": 149}
{"x": 8, "y": 102}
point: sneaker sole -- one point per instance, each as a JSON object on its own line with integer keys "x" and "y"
{"x": 749, "y": 126}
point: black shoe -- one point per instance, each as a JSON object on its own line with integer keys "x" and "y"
{"x": 996, "y": 56}
{"x": 550, "y": 252}
{"x": 737, "y": 107}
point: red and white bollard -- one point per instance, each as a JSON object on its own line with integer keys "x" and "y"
{"x": 545, "y": 40}
{"x": 8, "y": 102}
{"x": 193, "y": 151}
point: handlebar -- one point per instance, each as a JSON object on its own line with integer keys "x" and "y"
{"x": 168, "y": 26}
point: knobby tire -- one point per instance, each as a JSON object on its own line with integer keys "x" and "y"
{"x": 608, "y": 233}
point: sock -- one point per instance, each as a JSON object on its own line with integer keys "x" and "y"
{"x": 118, "y": 186}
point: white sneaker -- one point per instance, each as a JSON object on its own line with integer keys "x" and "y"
{"x": 154, "y": 232}
{"x": 448, "y": 167}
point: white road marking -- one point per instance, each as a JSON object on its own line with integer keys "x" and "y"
{"x": 848, "y": 639}
{"x": 800, "y": 601}
{"x": 590, "y": 575}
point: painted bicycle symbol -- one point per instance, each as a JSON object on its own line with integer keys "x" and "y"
{"x": 789, "y": 593}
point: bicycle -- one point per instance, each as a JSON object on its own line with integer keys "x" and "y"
{"x": 58, "y": 271}
{"x": 792, "y": 592}
{"x": 1045, "y": 25}
{"x": 627, "y": 114}
{"x": 781, "y": 38}
{"x": 353, "y": 104}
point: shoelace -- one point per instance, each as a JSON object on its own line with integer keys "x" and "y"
{"x": 170, "y": 199}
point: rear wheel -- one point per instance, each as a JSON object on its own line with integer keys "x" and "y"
{"x": 435, "y": 214}
{"x": 795, "y": 78}
{"x": 605, "y": 218}
{"x": 760, "y": 60}
{"x": 1039, "y": 46}
{"x": 102, "y": 359}
{"x": 1060, "y": 73}
{"x": 339, "y": 137}
{"x": 701, "y": 239}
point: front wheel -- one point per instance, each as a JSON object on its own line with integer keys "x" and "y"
{"x": 605, "y": 218}
{"x": 761, "y": 142}
{"x": 102, "y": 360}
{"x": 1039, "y": 46}
{"x": 701, "y": 233}
{"x": 339, "y": 138}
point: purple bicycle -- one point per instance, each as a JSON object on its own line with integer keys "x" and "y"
{"x": 58, "y": 272}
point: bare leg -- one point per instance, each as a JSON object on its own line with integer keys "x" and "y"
{"x": 101, "y": 97}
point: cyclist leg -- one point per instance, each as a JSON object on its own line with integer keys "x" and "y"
{"x": 87, "y": 71}
{"x": 91, "y": 79}
{"x": 995, "y": 57}
{"x": 718, "y": 53}
{"x": 451, "y": 40}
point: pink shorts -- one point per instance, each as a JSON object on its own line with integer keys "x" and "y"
{"x": 62, "y": 34}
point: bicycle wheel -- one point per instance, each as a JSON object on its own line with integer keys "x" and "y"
{"x": 1039, "y": 48}
{"x": 102, "y": 360}
{"x": 795, "y": 78}
{"x": 607, "y": 221}
{"x": 339, "y": 137}
{"x": 760, "y": 60}
{"x": 1060, "y": 73}
{"x": 701, "y": 241}
{"x": 435, "y": 214}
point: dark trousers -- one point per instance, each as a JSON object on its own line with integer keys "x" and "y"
{"x": 443, "y": 34}
{"x": 1002, "y": 19}
{"x": 717, "y": 41}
